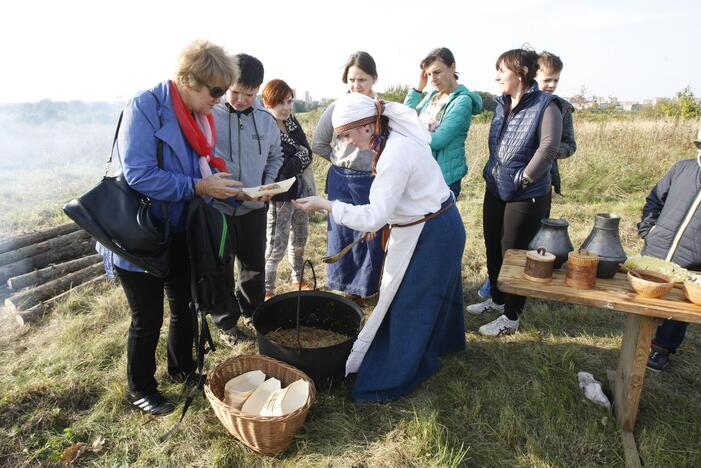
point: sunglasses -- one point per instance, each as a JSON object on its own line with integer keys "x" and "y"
{"x": 216, "y": 92}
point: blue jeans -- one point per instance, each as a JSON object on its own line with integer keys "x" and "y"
{"x": 455, "y": 188}
{"x": 670, "y": 334}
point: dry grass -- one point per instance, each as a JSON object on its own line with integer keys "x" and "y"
{"x": 506, "y": 402}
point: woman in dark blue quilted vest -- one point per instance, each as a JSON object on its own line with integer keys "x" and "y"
{"x": 523, "y": 141}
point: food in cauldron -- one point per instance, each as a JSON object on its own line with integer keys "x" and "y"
{"x": 309, "y": 337}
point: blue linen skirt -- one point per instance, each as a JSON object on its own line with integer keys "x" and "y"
{"x": 358, "y": 272}
{"x": 425, "y": 319}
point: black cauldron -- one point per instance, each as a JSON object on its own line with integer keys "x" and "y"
{"x": 318, "y": 309}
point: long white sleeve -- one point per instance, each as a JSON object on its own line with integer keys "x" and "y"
{"x": 408, "y": 185}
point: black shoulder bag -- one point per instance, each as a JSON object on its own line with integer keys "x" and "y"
{"x": 120, "y": 218}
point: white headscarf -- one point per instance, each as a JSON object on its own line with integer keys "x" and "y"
{"x": 358, "y": 108}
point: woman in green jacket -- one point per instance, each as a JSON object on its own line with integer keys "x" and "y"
{"x": 446, "y": 112}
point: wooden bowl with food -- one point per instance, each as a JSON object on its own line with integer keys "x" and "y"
{"x": 650, "y": 283}
{"x": 692, "y": 289}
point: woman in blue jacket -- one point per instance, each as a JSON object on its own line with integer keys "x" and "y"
{"x": 524, "y": 138}
{"x": 446, "y": 112}
{"x": 176, "y": 116}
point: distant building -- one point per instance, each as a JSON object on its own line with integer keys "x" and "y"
{"x": 628, "y": 106}
{"x": 654, "y": 101}
{"x": 605, "y": 103}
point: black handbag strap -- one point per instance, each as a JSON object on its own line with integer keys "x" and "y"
{"x": 114, "y": 143}
{"x": 159, "y": 150}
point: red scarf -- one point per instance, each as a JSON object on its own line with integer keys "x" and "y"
{"x": 193, "y": 133}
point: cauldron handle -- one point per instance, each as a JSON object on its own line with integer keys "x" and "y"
{"x": 299, "y": 296}
{"x": 301, "y": 279}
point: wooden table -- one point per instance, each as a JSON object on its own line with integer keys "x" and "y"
{"x": 643, "y": 317}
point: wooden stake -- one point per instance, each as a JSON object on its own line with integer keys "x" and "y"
{"x": 26, "y": 299}
{"x": 15, "y": 243}
{"x": 69, "y": 252}
{"x": 38, "y": 311}
{"x": 51, "y": 272}
{"x": 44, "y": 246}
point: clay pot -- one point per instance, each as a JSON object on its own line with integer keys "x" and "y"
{"x": 553, "y": 237}
{"x": 605, "y": 241}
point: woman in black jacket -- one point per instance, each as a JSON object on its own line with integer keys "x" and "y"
{"x": 523, "y": 141}
{"x": 286, "y": 223}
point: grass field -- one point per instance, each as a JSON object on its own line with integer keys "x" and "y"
{"x": 504, "y": 402}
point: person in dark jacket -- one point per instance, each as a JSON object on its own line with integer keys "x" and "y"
{"x": 176, "y": 114}
{"x": 670, "y": 226}
{"x": 548, "y": 77}
{"x": 287, "y": 224}
{"x": 524, "y": 138}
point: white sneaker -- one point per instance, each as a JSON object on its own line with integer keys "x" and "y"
{"x": 499, "y": 327}
{"x": 488, "y": 305}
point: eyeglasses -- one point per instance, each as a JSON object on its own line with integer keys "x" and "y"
{"x": 215, "y": 91}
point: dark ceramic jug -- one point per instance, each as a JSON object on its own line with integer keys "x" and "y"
{"x": 554, "y": 238}
{"x": 605, "y": 241}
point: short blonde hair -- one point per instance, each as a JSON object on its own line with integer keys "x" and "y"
{"x": 549, "y": 62}
{"x": 202, "y": 63}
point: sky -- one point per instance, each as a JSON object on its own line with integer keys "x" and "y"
{"x": 102, "y": 51}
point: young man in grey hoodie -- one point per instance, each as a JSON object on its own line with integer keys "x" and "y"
{"x": 248, "y": 139}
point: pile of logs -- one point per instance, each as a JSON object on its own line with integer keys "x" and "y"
{"x": 40, "y": 268}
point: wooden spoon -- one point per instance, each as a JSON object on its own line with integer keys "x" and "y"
{"x": 336, "y": 257}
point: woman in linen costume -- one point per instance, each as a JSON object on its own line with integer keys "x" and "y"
{"x": 419, "y": 314}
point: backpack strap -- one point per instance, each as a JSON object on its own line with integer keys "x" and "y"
{"x": 200, "y": 328}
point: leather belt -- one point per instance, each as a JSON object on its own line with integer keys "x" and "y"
{"x": 384, "y": 234}
{"x": 425, "y": 218}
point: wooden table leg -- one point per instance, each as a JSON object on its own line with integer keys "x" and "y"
{"x": 630, "y": 374}
{"x": 627, "y": 381}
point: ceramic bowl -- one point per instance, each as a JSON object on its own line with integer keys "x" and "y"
{"x": 649, "y": 283}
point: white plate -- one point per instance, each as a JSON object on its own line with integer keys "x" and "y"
{"x": 255, "y": 402}
{"x": 295, "y": 397}
{"x": 238, "y": 389}
{"x": 286, "y": 400}
{"x": 270, "y": 189}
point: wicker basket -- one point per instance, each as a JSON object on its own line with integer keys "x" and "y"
{"x": 269, "y": 435}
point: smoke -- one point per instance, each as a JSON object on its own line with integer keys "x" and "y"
{"x": 49, "y": 153}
